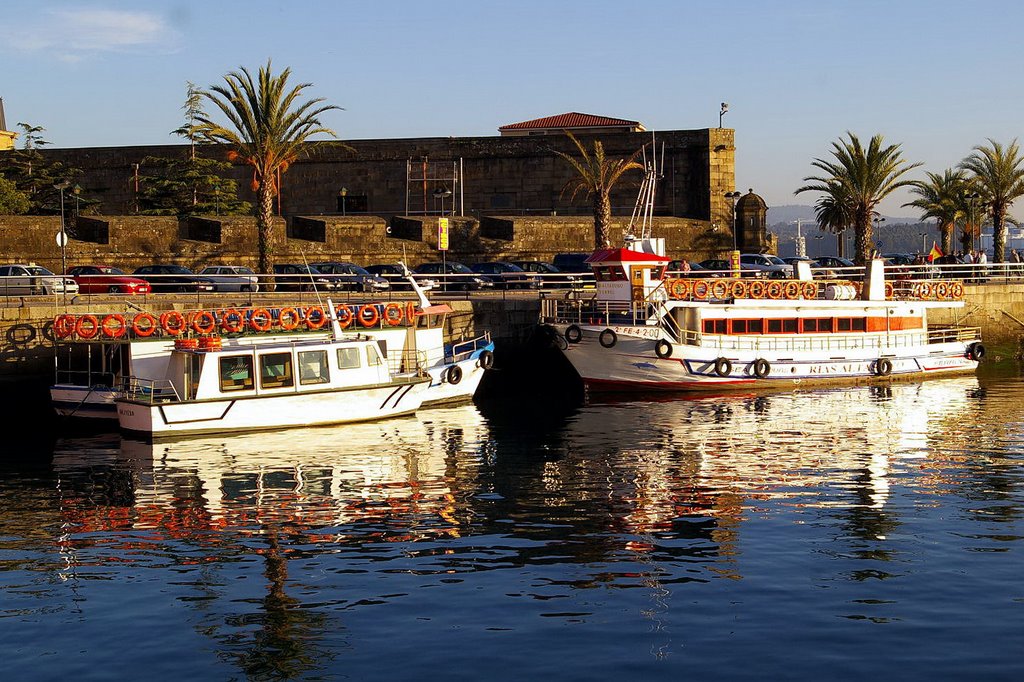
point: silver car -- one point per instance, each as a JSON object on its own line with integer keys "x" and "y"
{"x": 21, "y": 280}
{"x": 232, "y": 277}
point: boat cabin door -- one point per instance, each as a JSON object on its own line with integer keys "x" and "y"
{"x": 636, "y": 280}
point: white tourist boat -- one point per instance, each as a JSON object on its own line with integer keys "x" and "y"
{"x": 252, "y": 383}
{"x": 97, "y": 354}
{"x": 642, "y": 331}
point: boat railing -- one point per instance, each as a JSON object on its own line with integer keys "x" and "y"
{"x": 150, "y": 391}
{"x": 953, "y": 334}
{"x": 86, "y": 377}
{"x": 463, "y": 350}
{"x": 830, "y": 342}
{"x": 592, "y": 311}
{"x": 408, "y": 362}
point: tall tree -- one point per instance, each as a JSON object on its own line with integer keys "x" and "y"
{"x": 35, "y": 176}
{"x": 940, "y": 197}
{"x": 596, "y": 174}
{"x": 189, "y": 186}
{"x": 832, "y": 213}
{"x": 998, "y": 174}
{"x": 268, "y": 128}
{"x": 12, "y": 201}
{"x": 866, "y": 176}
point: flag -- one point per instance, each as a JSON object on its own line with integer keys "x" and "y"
{"x": 936, "y": 252}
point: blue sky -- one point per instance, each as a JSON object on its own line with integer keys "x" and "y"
{"x": 937, "y": 77}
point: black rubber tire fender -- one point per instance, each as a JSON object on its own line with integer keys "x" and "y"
{"x": 608, "y": 338}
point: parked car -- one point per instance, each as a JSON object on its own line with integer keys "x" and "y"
{"x": 164, "y": 278}
{"x": 834, "y": 262}
{"x": 232, "y": 277}
{"x": 552, "y": 277}
{"x": 395, "y": 276}
{"x": 26, "y": 280}
{"x": 105, "y": 279}
{"x": 572, "y": 262}
{"x": 676, "y": 268}
{"x": 297, "y": 277}
{"x": 506, "y": 275}
{"x": 351, "y": 277}
{"x": 772, "y": 266}
{"x": 455, "y": 276}
{"x": 720, "y": 267}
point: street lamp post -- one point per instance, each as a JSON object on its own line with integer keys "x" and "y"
{"x": 62, "y": 238}
{"x": 77, "y": 191}
{"x": 441, "y": 193}
{"x": 801, "y": 248}
{"x": 721, "y": 113}
{"x": 735, "y": 260}
{"x": 922, "y": 235}
{"x": 878, "y": 220}
{"x": 972, "y": 204}
{"x": 343, "y": 192}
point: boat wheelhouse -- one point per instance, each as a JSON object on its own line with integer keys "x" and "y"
{"x": 643, "y": 331}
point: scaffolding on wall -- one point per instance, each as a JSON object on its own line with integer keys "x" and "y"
{"x": 428, "y": 184}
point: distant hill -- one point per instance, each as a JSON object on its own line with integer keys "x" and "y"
{"x": 792, "y": 212}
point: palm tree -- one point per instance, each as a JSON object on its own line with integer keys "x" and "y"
{"x": 941, "y": 198}
{"x": 999, "y": 178}
{"x": 866, "y": 176}
{"x": 596, "y": 175}
{"x": 832, "y": 212}
{"x": 269, "y": 127}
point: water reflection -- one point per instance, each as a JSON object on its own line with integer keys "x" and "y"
{"x": 280, "y": 545}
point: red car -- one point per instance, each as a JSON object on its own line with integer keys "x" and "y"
{"x": 104, "y": 279}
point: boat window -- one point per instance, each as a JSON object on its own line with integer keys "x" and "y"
{"x": 658, "y": 272}
{"x": 851, "y": 324}
{"x": 236, "y": 373}
{"x": 714, "y": 326}
{"x": 818, "y": 324}
{"x": 373, "y": 356}
{"x": 348, "y": 358}
{"x": 276, "y": 370}
{"x": 755, "y": 326}
{"x": 313, "y": 367}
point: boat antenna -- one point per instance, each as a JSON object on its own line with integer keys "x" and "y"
{"x": 643, "y": 210}
{"x": 316, "y": 290}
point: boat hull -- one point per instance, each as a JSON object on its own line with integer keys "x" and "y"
{"x": 263, "y": 412}
{"x": 633, "y": 363}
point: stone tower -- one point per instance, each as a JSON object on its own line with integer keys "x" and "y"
{"x": 6, "y": 136}
{"x": 752, "y": 224}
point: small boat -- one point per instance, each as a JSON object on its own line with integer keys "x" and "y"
{"x": 644, "y": 332}
{"x": 97, "y": 354}
{"x": 252, "y": 383}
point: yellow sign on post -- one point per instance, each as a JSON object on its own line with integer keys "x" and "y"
{"x": 734, "y": 263}
{"x": 442, "y": 234}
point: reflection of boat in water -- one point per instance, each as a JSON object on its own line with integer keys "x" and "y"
{"x": 322, "y": 477}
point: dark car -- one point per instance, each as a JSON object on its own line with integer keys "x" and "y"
{"x": 506, "y": 275}
{"x": 719, "y": 267}
{"x": 351, "y": 277}
{"x": 687, "y": 268}
{"x": 455, "y": 276}
{"x": 105, "y": 279}
{"x": 164, "y": 278}
{"x": 835, "y": 262}
{"x": 298, "y": 277}
{"x": 572, "y": 262}
{"x": 551, "y": 277}
{"x": 395, "y": 275}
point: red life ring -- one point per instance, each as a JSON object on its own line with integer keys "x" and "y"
{"x": 64, "y": 326}
{"x": 317, "y": 312}
{"x": 87, "y": 326}
{"x": 369, "y": 316}
{"x": 701, "y": 290}
{"x": 680, "y": 289}
{"x": 393, "y": 314}
{"x": 292, "y": 316}
{"x": 204, "y": 322}
{"x": 232, "y": 321}
{"x": 756, "y": 289}
{"x": 774, "y": 289}
{"x": 116, "y": 330}
{"x": 344, "y": 315}
{"x": 720, "y": 289}
{"x": 260, "y": 320}
{"x": 173, "y": 322}
{"x": 738, "y": 289}
{"x": 410, "y": 313}
{"x": 143, "y": 325}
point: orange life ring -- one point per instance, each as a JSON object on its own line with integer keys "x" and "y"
{"x": 204, "y": 322}
{"x": 774, "y": 289}
{"x": 701, "y": 289}
{"x": 792, "y": 289}
{"x": 756, "y": 289}
{"x": 261, "y": 320}
{"x": 232, "y": 321}
{"x": 369, "y": 316}
{"x": 292, "y": 316}
{"x": 173, "y": 322}
{"x": 680, "y": 289}
{"x": 924, "y": 290}
{"x": 144, "y": 325}
{"x": 956, "y": 290}
{"x": 410, "y": 313}
{"x": 810, "y": 291}
{"x": 344, "y": 315}
{"x": 738, "y": 289}
{"x": 64, "y": 326}
{"x": 116, "y": 330}
{"x": 315, "y": 311}
{"x": 719, "y": 289}
{"x": 393, "y": 314}
{"x": 942, "y": 291}
{"x": 87, "y": 326}
{"x": 888, "y": 290}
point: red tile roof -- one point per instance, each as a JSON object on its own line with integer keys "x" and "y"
{"x": 571, "y": 120}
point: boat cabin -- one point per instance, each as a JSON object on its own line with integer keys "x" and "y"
{"x": 627, "y": 276}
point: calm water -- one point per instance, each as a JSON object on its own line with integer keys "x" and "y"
{"x": 843, "y": 534}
